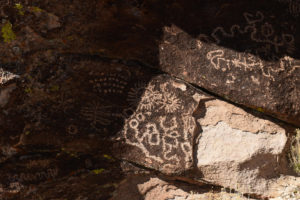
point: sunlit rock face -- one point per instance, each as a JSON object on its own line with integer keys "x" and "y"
{"x": 240, "y": 150}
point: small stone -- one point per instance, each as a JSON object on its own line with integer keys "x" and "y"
{"x": 52, "y": 21}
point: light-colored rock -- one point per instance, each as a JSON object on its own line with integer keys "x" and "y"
{"x": 151, "y": 187}
{"x": 147, "y": 188}
{"x": 286, "y": 188}
{"x": 6, "y": 76}
{"x": 240, "y": 150}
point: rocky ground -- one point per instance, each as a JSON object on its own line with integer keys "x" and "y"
{"x": 148, "y": 99}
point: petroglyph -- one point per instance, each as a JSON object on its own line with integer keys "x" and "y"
{"x": 148, "y": 101}
{"x": 244, "y": 61}
{"x": 6, "y": 76}
{"x": 148, "y": 98}
{"x": 72, "y": 129}
{"x": 163, "y": 129}
{"x": 259, "y": 30}
{"x": 170, "y": 103}
{"x": 37, "y": 164}
{"x": 228, "y": 60}
{"x": 110, "y": 83}
{"x": 293, "y": 7}
{"x": 50, "y": 173}
{"x": 98, "y": 114}
{"x": 289, "y": 64}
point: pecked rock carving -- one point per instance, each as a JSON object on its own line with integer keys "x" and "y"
{"x": 197, "y": 137}
{"x": 162, "y": 128}
{"x": 247, "y": 62}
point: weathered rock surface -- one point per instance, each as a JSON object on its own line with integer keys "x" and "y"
{"x": 250, "y": 57}
{"x": 151, "y": 187}
{"x": 206, "y": 139}
{"x": 161, "y": 131}
{"x": 240, "y": 150}
{"x": 55, "y": 130}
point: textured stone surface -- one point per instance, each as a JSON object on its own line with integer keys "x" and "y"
{"x": 239, "y": 150}
{"x": 55, "y": 130}
{"x": 227, "y": 145}
{"x": 152, "y": 187}
{"x": 250, "y": 57}
{"x": 161, "y": 131}
{"x": 75, "y": 73}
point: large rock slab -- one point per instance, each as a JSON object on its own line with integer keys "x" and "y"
{"x": 161, "y": 131}
{"x": 191, "y": 135}
{"x": 240, "y": 150}
{"x": 250, "y": 57}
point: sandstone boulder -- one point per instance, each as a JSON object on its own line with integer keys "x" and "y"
{"x": 240, "y": 150}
